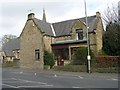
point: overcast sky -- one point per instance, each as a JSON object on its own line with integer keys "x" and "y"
{"x": 13, "y": 13}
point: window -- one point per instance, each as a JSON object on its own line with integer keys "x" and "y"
{"x": 37, "y": 54}
{"x": 79, "y": 34}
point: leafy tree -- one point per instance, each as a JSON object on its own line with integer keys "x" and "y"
{"x": 111, "y": 39}
{"x": 48, "y": 59}
{"x": 80, "y": 56}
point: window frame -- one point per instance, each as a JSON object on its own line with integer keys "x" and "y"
{"x": 37, "y": 54}
{"x": 79, "y": 34}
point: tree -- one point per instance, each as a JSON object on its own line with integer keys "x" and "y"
{"x": 48, "y": 59}
{"x": 6, "y": 38}
{"x": 80, "y": 56}
{"x": 111, "y": 39}
{"x": 111, "y": 36}
{"x": 111, "y": 14}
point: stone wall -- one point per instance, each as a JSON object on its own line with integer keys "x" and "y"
{"x": 62, "y": 38}
{"x": 93, "y": 45}
{"x": 78, "y": 25}
{"x": 99, "y": 32}
{"x": 16, "y": 54}
{"x": 30, "y": 40}
{"x": 47, "y": 42}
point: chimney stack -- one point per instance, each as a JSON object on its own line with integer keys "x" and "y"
{"x": 98, "y": 14}
{"x": 31, "y": 16}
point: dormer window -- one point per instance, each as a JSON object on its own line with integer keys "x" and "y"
{"x": 79, "y": 34}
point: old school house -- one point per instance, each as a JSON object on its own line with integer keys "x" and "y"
{"x": 61, "y": 38}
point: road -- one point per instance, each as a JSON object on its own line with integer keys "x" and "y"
{"x": 21, "y": 79}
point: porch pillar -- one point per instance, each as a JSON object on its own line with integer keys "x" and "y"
{"x": 69, "y": 53}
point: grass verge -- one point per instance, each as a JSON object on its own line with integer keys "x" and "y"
{"x": 83, "y": 68}
{"x": 10, "y": 64}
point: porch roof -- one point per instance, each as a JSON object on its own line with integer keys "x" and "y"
{"x": 67, "y": 42}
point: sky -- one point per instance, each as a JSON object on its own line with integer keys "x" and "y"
{"x": 13, "y": 13}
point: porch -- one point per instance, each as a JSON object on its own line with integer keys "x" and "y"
{"x": 63, "y": 50}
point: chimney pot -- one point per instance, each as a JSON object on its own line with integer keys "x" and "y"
{"x": 98, "y": 14}
{"x": 31, "y": 16}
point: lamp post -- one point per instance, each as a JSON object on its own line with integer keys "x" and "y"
{"x": 88, "y": 46}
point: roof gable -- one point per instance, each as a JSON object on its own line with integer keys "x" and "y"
{"x": 43, "y": 26}
{"x": 10, "y": 46}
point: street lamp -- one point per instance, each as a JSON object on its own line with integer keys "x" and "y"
{"x": 88, "y": 46}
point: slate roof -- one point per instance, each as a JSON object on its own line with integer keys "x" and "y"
{"x": 64, "y": 27}
{"x": 44, "y": 26}
{"x": 92, "y": 22}
{"x": 10, "y": 46}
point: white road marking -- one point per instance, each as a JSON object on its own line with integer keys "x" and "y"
{"x": 114, "y": 79}
{"x": 34, "y": 86}
{"x": 41, "y": 84}
{"x": 55, "y": 75}
{"x": 6, "y": 79}
{"x": 75, "y": 87}
{"x": 80, "y": 77}
{"x": 35, "y": 73}
{"x": 28, "y": 81}
{"x": 9, "y": 86}
{"x": 21, "y": 72}
{"x": 26, "y": 86}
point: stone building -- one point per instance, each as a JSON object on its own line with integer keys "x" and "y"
{"x": 61, "y": 38}
{"x": 10, "y": 51}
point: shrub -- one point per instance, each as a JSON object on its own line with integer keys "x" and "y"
{"x": 102, "y": 53}
{"x": 107, "y": 61}
{"x": 48, "y": 59}
{"x": 80, "y": 56}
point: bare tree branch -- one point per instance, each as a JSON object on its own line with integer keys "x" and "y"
{"x": 111, "y": 14}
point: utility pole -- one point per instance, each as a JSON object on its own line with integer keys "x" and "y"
{"x": 88, "y": 46}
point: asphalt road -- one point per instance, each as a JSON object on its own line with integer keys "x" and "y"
{"x": 21, "y": 79}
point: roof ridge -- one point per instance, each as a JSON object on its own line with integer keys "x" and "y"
{"x": 73, "y": 19}
{"x": 42, "y": 21}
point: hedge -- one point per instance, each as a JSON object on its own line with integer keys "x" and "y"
{"x": 108, "y": 61}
